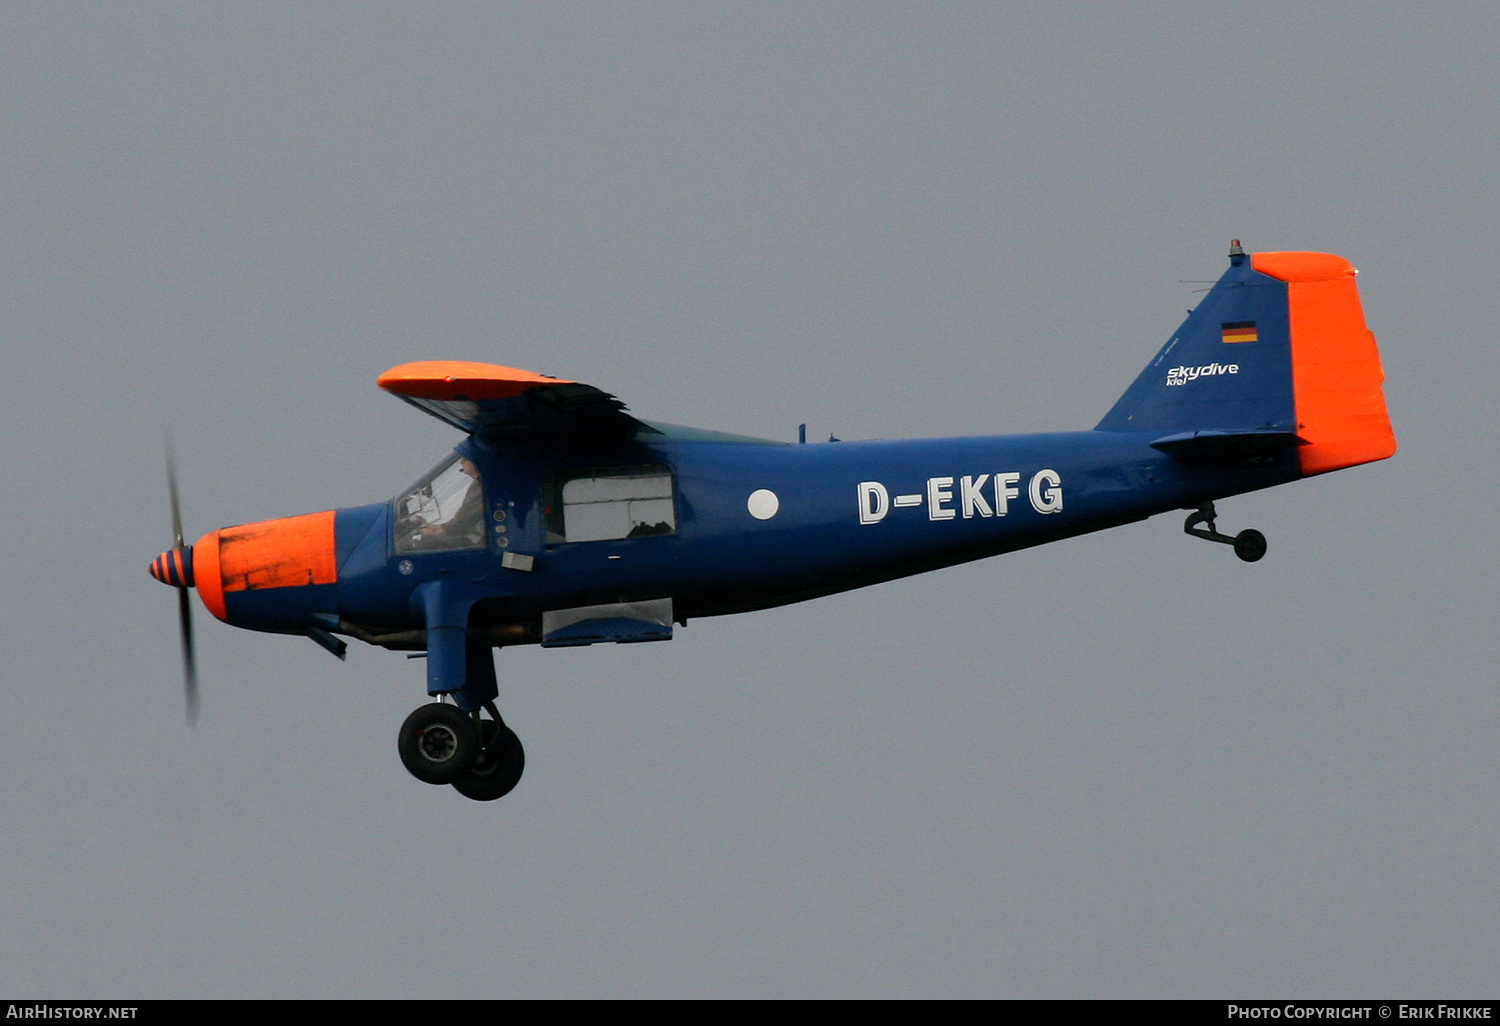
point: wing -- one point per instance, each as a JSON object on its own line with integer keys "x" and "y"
{"x": 484, "y": 398}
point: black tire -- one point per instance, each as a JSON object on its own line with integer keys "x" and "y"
{"x": 1250, "y": 545}
{"x": 497, "y": 771}
{"x": 438, "y": 743}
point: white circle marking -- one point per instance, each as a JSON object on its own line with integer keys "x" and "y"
{"x": 763, "y": 504}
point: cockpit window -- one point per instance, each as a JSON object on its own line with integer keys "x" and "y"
{"x": 444, "y": 511}
{"x": 622, "y": 502}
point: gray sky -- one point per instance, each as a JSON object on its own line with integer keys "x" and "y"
{"x": 1123, "y": 765}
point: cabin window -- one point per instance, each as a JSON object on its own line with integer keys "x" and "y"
{"x": 444, "y": 511}
{"x": 629, "y": 502}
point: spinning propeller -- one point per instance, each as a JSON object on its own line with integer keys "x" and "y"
{"x": 176, "y": 568}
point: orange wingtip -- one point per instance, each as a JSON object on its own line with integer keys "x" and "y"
{"x": 456, "y": 379}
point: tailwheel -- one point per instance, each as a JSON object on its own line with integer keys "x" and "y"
{"x": 1249, "y": 544}
{"x": 438, "y": 743}
{"x": 499, "y": 766}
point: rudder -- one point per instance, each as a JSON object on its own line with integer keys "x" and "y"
{"x": 1336, "y": 370}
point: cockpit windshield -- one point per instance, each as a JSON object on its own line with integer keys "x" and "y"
{"x": 443, "y": 511}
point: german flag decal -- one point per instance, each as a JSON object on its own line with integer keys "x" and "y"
{"x": 1240, "y": 331}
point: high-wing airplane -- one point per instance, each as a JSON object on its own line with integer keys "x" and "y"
{"x": 561, "y": 519}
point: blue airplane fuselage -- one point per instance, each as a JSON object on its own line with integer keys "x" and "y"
{"x": 837, "y": 516}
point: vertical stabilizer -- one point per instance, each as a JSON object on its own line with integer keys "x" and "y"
{"x": 1278, "y": 348}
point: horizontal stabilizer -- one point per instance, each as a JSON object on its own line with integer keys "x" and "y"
{"x": 1226, "y": 446}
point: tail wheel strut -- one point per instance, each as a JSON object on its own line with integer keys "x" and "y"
{"x": 1249, "y": 545}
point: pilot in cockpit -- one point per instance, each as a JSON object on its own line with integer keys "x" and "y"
{"x": 445, "y": 511}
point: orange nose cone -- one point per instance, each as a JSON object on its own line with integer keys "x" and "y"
{"x": 174, "y": 568}
{"x": 207, "y": 573}
{"x": 291, "y": 552}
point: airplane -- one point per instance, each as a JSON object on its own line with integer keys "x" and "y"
{"x": 561, "y": 519}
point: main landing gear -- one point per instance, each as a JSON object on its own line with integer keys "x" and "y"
{"x": 1249, "y": 545}
{"x": 441, "y": 744}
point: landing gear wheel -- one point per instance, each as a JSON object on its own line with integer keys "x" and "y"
{"x": 438, "y": 743}
{"x": 1250, "y": 545}
{"x": 498, "y": 769}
